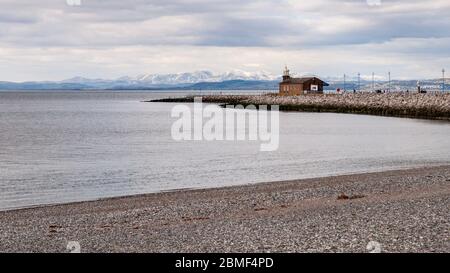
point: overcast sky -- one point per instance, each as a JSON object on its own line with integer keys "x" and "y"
{"x": 52, "y": 40}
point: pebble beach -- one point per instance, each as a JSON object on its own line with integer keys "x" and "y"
{"x": 396, "y": 211}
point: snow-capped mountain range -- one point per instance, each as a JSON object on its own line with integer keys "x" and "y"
{"x": 181, "y": 78}
{"x": 156, "y": 81}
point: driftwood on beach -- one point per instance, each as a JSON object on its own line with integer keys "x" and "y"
{"x": 427, "y": 106}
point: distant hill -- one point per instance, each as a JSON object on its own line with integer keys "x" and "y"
{"x": 42, "y": 86}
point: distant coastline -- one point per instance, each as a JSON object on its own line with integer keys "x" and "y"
{"x": 235, "y": 84}
{"x": 399, "y": 104}
{"x": 114, "y": 85}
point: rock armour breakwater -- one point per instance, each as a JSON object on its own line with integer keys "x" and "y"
{"x": 414, "y": 105}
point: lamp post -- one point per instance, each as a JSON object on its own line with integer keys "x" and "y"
{"x": 373, "y": 81}
{"x": 443, "y": 80}
{"x": 345, "y": 83}
{"x": 389, "y": 89}
{"x": 359, "y": 82}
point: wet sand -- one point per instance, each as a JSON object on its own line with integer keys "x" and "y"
{"x": 403, "y": 211}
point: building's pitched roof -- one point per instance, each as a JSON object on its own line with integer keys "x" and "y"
{"x": 303, "y": 80}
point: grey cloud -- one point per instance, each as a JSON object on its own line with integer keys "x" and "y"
{"x": 400, "y": 28}
{"x": 217, "y": 23}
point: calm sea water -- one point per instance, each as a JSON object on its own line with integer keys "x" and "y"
{"x": 60, "y": 147}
